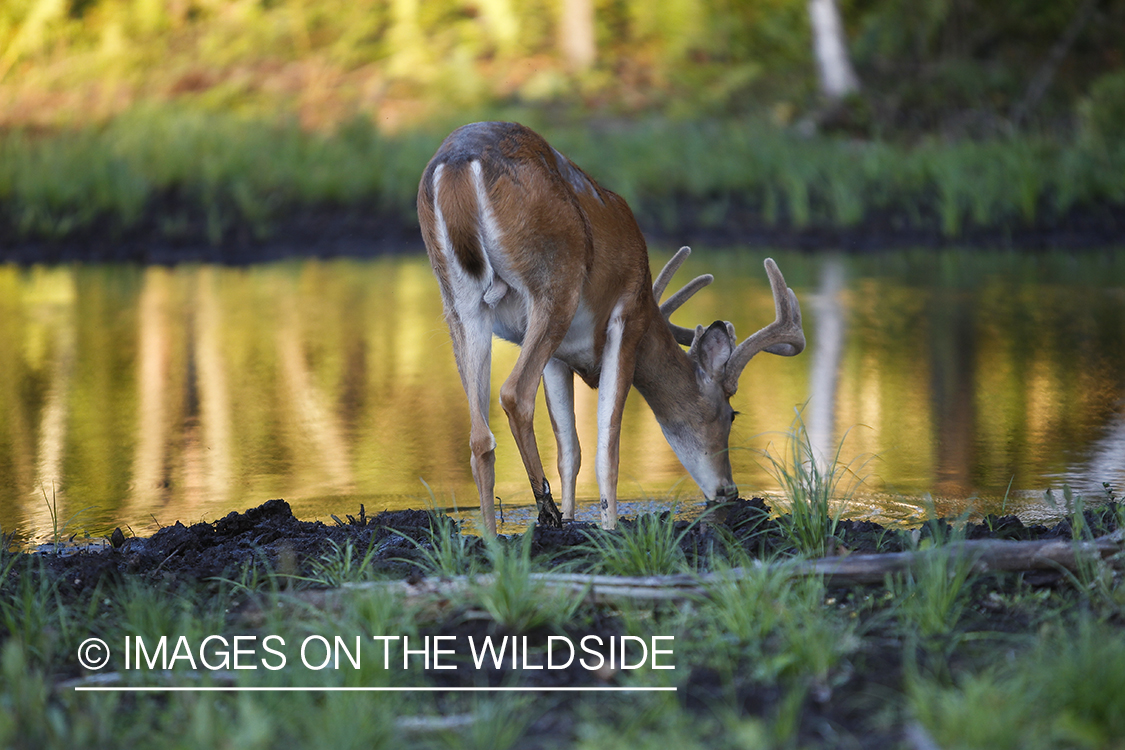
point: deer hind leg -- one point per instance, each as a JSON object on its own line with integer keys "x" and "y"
{"x": 472, "y": 348}
{"x": 546, "y": 328}
{"x": 618, "y": 360}
{"x": 558, "y": 387}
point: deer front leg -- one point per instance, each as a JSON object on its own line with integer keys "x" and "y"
{"x": 517, "y": 396}
{"x": 618, "y": 360}
{"x": 558, "y": 387}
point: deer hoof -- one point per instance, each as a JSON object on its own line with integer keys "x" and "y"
{"x": 549, "y": 514}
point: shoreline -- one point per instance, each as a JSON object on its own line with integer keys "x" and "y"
{"x": 349, "y": 232}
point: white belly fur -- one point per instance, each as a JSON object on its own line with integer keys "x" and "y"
{"x": 576, "y": 349}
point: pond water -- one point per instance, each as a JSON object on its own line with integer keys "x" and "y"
{"x": 136, "y": 397}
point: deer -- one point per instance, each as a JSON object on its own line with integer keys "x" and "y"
{"x": 527, "y": 247}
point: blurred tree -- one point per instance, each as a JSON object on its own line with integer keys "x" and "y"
{"x": 576, "y": 34}
{"x": 977, "y": 68}
{"x": 503, "y": 24}
{"x": 964, "y": 67}
{"x": 1046, "y": 73}
{"x": 32, "y": 31}
{"x": 406, "y": 40}
{"x": 833, "y": 64}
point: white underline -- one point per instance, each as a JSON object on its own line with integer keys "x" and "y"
{"x": 232, "y": 689}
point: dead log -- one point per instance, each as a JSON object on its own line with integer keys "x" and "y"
{"x": 985, "y": 555}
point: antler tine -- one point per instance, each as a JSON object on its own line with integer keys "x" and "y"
{"x": 669, "y": 271}
{"x": 682, "y": 335}
{"x": 674, "y": 302}
{"x": 784, "y": 336}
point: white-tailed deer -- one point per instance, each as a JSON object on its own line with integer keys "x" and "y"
{"x": 525, "y": 245}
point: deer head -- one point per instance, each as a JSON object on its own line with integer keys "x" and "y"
{"x": 698, "y": 430}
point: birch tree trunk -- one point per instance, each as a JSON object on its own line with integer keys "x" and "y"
{"x": 833, "y": 65}
{"x": 576, "y": 34}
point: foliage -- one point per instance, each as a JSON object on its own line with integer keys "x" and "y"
{"x": 32, "y": 612}
{"x": 777, "y": 624}
{"x": 25, "y": 712}
{"x": 767, "y": 660}
{"x": 1093, "y": 576}
{"x": 214, "y": 170}
{"x": 932, "y": 598}
{"x": 340, "y": 563}
{"x": 447, "y": 550}
{"x": 1104, "y": 110}
{"x": 332, "y": 58}
{"x": 962, "y": 66}
{"x": 970, "y": 65}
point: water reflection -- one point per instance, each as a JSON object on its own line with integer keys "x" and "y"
{"x": 824, "y": 358}
{"x": 141, "y": 396}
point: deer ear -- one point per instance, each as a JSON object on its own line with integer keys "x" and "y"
{"x": 712, "y": 348}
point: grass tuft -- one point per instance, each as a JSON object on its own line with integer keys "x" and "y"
{"x": 649, "y": 546}
{"x": 341, "y": 564}
{"x": 818, "y": 491}
{"x": 446, "y": 552}
{"x": 514, "y": 600}
{"x": 1065, "y": 693}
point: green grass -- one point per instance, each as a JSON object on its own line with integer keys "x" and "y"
{"x": 342, "y": 563}
{"x": 515, "y": 601}
{"x": 1096, "y": 578}
{"x": 771, "y": 627}
{"x": 1066, "y": 691}
{"x": 446, "y": 551}
{"x": 931, "y": 599}
{"x": 179, "y": 173}
{"x": 816, "y": 488}
{"x": 649, "y": 545}
{"x": 182, "y": 168}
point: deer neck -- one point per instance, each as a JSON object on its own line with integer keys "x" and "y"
{"x": 664, "y": 372}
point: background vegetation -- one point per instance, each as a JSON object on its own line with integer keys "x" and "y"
{"x": 231, "y": 112}
{"x": 962, "y": 66}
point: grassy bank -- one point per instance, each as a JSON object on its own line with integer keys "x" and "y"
{"x": 183, "y": 176}
{"x": 946, "y": 654}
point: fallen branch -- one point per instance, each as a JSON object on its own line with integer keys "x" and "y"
{"x": 987, "y": 555}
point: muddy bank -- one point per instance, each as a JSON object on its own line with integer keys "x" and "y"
{"x": 269, "y": 534}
